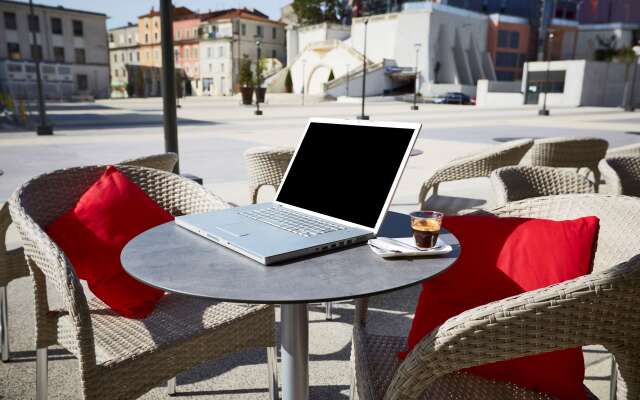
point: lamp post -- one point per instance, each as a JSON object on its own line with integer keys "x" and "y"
{"x": 634, "y": 74}
{"x": 348, "y": 80}
{"x": 417, "y": 80}
{"x": 43, "y": 128}
{"x": 543, "y": 111}
{"x": 258, "y": 79}
{"x": 364, "y": 70}
{"x": 304, "y": 62}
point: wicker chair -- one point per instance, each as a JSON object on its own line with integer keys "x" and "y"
{"x": 266, "y": 167}
{"x": 622, "y": 175}
{"x": 630, "y": 150}
{"x": 12, "y": 263}
{"x": 476, "y": 165}
{"x": 120, "y": 357}
{"x": 568, "y": 153}
{"x": 522, "y": 182}
{"x": 600, "y": 308}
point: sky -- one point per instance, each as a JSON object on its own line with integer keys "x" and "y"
{"x": 122, "y": 11}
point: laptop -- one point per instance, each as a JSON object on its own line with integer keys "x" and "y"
{"x": 335, "y": 193}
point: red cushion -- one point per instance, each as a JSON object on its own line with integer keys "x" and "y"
{"x": 92, "y": 234}
{"x": 502, "y": 257}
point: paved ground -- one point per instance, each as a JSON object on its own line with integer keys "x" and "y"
{"x": 213, "y": 135}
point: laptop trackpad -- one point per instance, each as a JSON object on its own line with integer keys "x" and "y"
{"x": 237, "y": 229}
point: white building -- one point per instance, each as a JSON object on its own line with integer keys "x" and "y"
{"x": 451, "y": 43}
{"x": 226, "y": 38}
{"x": 124, "y": 50}
{"x": 72, "y": 45}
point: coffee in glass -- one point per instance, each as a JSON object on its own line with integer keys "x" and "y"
{"x": 426, "y": 227}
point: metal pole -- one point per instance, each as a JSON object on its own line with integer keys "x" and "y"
{"x": 348, "y": 80}
{"x": 295, "y": 351}
{"x": 364, "y": 70}
{"x": 303, "y": 88}
{"x": 43, "y": 128}
{"x": 544, "y": 112}
{"x": 634, "y": 74}
{"x": 415, "y": 83}
{"x": 258, "y": 79}
{"x": 168, "y": 80}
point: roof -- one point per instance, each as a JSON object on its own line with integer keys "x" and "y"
{"x": 177, "y": 12}
{"x": 58, "y": 8}
{"x": 243, "y": 13}
{"x": 128, "y": 25}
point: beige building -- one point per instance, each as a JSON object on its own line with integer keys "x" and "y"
{"x": 123, "y": 51}
{"x": 72, "y": 45}
{"x": 226, "y": 37}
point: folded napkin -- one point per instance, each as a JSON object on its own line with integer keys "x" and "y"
{"x": 405, "y": 247}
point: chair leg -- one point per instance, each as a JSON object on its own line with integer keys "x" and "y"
{"x": 352, "y": 387}
{"x": 272, "y": 369}
{"x": 41, "y": 373}
{"x": 171, "y": 386}
{"x": 613, "y": 385}
{"x": 327, "y": 310}
{"x": 4, "y": 325}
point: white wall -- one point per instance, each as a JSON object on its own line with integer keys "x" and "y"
{"x": 498, "y": 94}
{"x": 377, "y": 81}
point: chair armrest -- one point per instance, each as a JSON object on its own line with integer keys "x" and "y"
{"x": 595, "y": 309}
{"x": 611, "y": 178}
{"x": 458, "y": 169}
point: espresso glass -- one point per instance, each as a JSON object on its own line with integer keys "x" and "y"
{"x": 426, "y": 227}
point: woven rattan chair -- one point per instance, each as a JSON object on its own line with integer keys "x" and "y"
{"x": 522, "y": 182}
{"x": 600, "y": 308}
{"x": 476, "y": 165}
{"x": 622, "y": 175}
{"x": 266, "y": 167}
{"x": 162, "y": 161}
{"x": 630, "y": 150}
{"x": 120, "y": 357}
{"x": 568, "y": 153}
{"x": 12, "y": 264}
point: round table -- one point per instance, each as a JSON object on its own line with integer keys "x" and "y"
{"x": 176, "y": 260}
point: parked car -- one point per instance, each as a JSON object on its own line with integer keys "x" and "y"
{"x": 453, "y": 98}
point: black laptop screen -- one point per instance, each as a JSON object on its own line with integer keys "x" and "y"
{"x": 345, "y": 171}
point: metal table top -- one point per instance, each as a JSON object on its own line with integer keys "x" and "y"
{"x": 176, "y": 260}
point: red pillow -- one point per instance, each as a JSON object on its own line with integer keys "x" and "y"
{"x": 92, "y": 234}
{"x": 502, "y": 257}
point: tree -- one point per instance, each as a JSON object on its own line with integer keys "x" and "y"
{"x": 288, "y": 82}
{"x": 245, "y": 75}
{"x": 331, "y": 76}
{"x": 311, "y": 12}
{"x": 260, "y": 67}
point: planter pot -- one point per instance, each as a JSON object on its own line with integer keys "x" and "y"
{"x": 260, "y": 92}
{"x": 247, "y": 95}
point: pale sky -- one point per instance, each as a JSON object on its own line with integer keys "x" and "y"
{"x": 122, "y": 11}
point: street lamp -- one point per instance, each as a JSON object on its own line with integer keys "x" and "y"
{"x": 43, "y": 128}
{"x": 543, "y": 111}
{"x": 258, "y": 79}
{"x": 634, "y": 74}
{"x": 364, "y": 70}
{"x": 304, "y": 62}
{"x": 417, "y": 79}
{"x": 348, "y": 80}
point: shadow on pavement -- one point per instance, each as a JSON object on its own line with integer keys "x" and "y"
{"x": 83, "y": 121}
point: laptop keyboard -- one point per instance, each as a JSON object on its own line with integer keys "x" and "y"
{"x": 292, "y": 221}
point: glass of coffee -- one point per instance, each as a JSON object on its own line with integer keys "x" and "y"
{"x": 426, "y": 227}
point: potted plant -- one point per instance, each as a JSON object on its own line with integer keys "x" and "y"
{"x": 245, "y": 80}
{"x": 288, "y": 82}
{"x": 260, "y": 91}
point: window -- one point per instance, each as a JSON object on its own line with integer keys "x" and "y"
{"x": 115, "y": 58}
{"x": 56, "y": 27}
{"x": 220, "y": 51}
{"x": 505, "y": 75}
{"x": 157, "y": 54}
{"x": 13, "y": 50}
{"x": 111, "y": 37}
{"x": 115, "y": 73}
{"x": 274, "y": 33}
{"x": 129, "y": 39}
{"x": 194, "y": 52}
{"x": 81, "y": 59}
{"x": 131, "y": 57}
{"x": 137, "y": 56}
{"x": 209, "y": 52}
{"x": 34, "y": 23}
{"x": 222, "y": 67}
{"x": 210, "y": 67}
{"x": 36, "y": 52}
{"x": 155, "y": 35}
{"x": 509, "y": 60}
{"x": 78, "y": 28}
{"x": 243, "y": 29}
{"x": 122, "y": 57}
{"x": 259, "y": 30}
{"x": 274, "y": 53}
{"x": 186, "y": 52}
{"x": 58, "y": 54}
{"x": 553, "y": 83}
{"x": 146, "y": 38}
{"x": 503, "y": 38}
{"x": 514, "y": 39}
{"x": 177, "y": 35}
{"x": 10, "y": 21}
{"x": 82, "y": 82}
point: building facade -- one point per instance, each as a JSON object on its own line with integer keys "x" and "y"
{"x": 508, "y": 43}
{"x": 227, "y": 37}
{"x": 187, "y": 53}
{"x": 71, "y": 45}
{"x": 124, "y": 50}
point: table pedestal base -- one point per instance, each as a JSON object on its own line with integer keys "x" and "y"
{"x": 295, "y": 351}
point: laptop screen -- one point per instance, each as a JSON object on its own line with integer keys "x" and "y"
{"x": 345, "y": 171}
